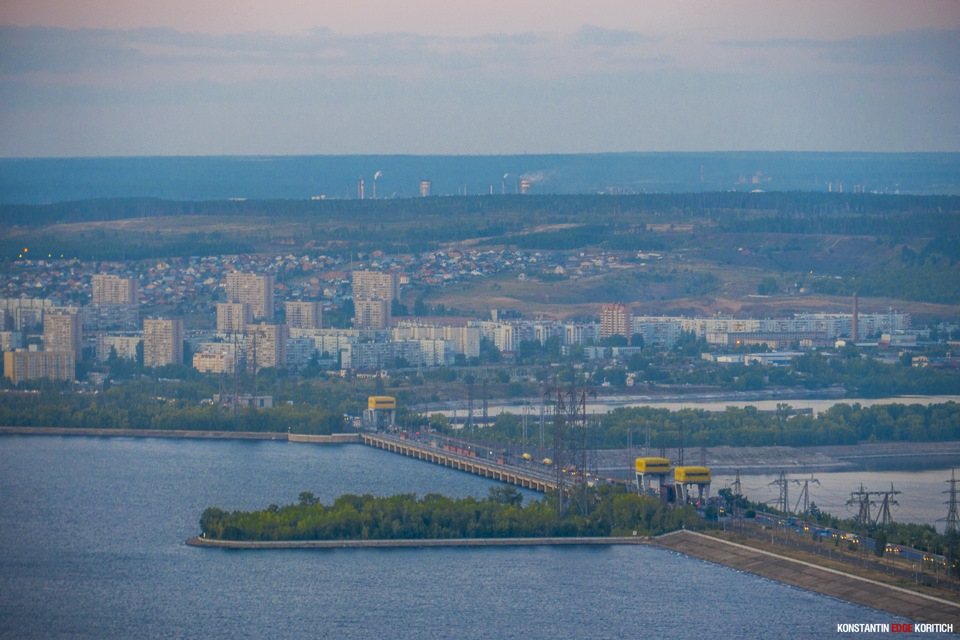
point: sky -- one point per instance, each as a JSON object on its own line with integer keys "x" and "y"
{"x": 304, "y": 77}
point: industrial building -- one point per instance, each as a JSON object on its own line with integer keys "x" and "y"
{"x": 380, "y": 414}
{"x": 682, "y": 485}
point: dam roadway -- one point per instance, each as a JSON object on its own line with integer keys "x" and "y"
{"x": 524, "y": 477}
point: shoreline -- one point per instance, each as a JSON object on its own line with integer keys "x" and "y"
{"x": 721, "y": 459}
{"x": 413, "y": 543}
{"x": 336, "y": 438}
{"x": 874, "y": 594}
{"x": 142, "y": 433}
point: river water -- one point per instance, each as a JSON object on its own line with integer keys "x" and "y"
{"x": 922, "y": 498}
{"x": 92, "y": 537}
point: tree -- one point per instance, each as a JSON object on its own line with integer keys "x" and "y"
{"x": 767, "y": 286}
{"x": 880, "y": 543}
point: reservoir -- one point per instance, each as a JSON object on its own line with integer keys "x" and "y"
{"x": 92, "y": 537}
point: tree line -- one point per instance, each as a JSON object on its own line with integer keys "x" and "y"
{"x": 721, "y": 204}
{"x": 741, "y": 427}
{"x": 612, "y": 511}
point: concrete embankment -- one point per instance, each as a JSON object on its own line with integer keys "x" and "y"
{"x": 395, "y": 544}
{"x": 142, "y": 433}
{"x": 905, "y": 603}
{"x": 336, "y": 438}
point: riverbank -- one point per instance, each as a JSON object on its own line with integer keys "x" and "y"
{"x": 336, "y": 438}
{"x": 774, "y": 459}
{"x": 414, "y": 543}
{"x": 874, "y": 592}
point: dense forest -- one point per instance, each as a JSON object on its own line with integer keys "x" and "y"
{"x": 612, "y": 511}
{"x": 178, "y": 397}
{"x": 173, "y": 405}
{"x": 792, "y": 203}
{"x": 419, "y": 224}
{"x": 841, "y": 424}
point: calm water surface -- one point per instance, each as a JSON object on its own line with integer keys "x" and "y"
{"x": 92, "y": 545}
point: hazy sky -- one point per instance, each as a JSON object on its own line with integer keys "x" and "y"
{"x": 212, "y": 77}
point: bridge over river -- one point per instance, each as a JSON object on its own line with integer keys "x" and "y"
{"x": 527, "y": 476}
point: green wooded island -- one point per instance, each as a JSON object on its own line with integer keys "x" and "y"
{"x": 593, "y": 513}
{"x": 612, "y": 511}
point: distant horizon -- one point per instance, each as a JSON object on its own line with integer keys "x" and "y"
{"x": 387, "y": 176}
{"x": 480, "y": 155}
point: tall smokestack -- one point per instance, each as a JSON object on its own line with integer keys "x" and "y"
{"x": 855, "y": 323}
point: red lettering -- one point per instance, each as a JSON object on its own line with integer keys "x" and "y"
{"x": 901, "y": 628}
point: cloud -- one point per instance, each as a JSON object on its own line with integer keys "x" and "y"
{"x": 926, "y": 47}
{"x": 593, "y": 89}
{"x": 34, "y": 49}
{"x": 600, "y": 37}
{"x": 933, "y": 48}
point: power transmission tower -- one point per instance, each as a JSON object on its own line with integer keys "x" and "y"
{"x": 737, "y": 497}
{"x": 485, "y": 423}
{"x": 805, "y": 494}
{"x": 953, "y": 519}
{"x": 783, "y": 503}
{"x": 469, "y": 422}
{"x": 570, "y": 447}
{"x": 861, "y": 499}
{"x": 680, "y": 448}
{"x": 884, "y": 517}
{"x": 523, "y": 441}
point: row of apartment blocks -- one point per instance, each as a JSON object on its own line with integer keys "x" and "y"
{"x": 805, "y": 329}
{"x": 162, "y": 341}
{"x": 417, "y": 343}
{"x": 115, "y": 305}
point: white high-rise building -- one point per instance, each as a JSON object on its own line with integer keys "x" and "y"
{"x": 109, "y": 289}
{"x": 304, "y": 315}
{"x": 162, "y": 342}
{"x": 62, "y": 332}
{"x": 255, "y": 290}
